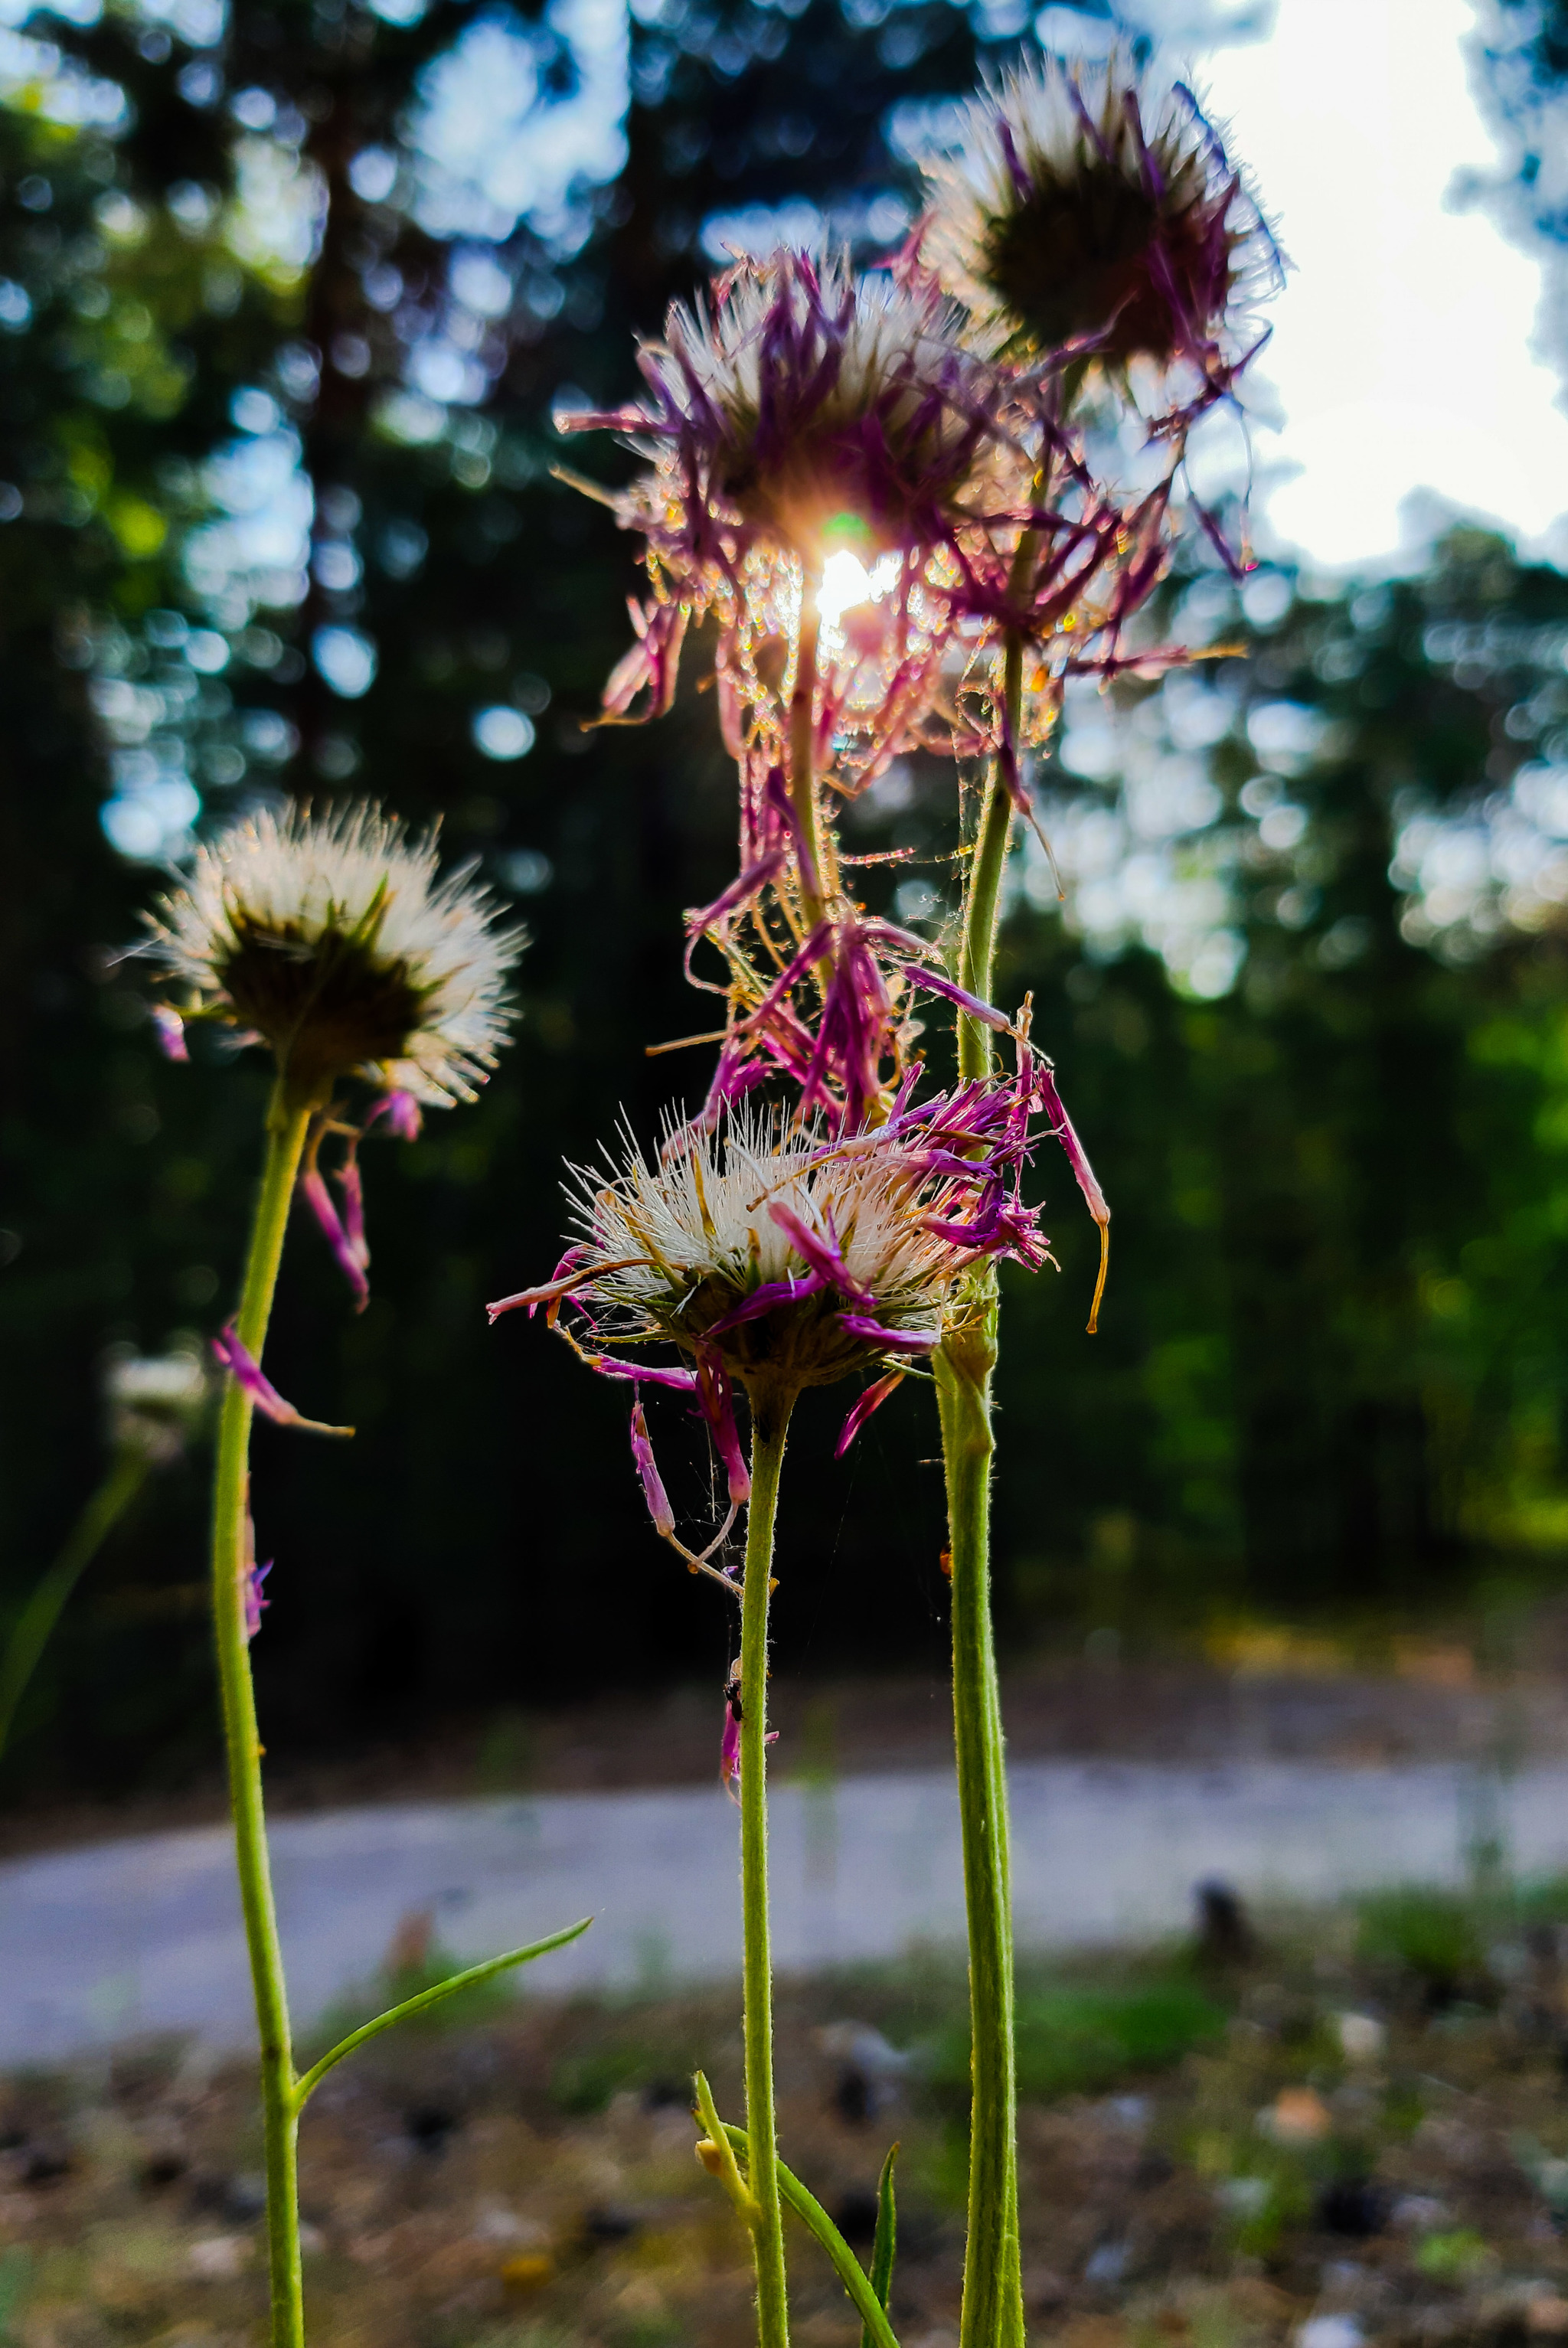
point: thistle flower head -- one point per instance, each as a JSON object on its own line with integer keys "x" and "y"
{"x": 1091, "y": 210}
{"x": 809, "y": 407}
{"x": 332, "y": 940}
{"x": 765, "y": 1246}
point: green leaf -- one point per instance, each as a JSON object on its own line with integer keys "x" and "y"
{"x": 306, "y": 2088}
{"x": 848, "y": 2267}
{"x": 887, "y": 2243}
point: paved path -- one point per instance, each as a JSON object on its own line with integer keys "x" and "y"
{"x": 101, "y": 1945}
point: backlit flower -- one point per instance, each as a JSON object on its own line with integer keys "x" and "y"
{"x": 334, "y": 940}
{"x": 801, "y": 414}
{"x": 1091, "y": 211}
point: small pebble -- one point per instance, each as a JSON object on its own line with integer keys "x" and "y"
{"x": 1330, "y": 2332}
{"x": 219, "y": 2258}
{"x": 1298, "y": 2116}
{"x": 1362, "y": 2037}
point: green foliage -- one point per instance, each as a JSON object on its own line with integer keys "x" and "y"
{"x": 1430, "y": 1937}
{"x": 16, "y": 2274}
{"x": 1074, "y": 2038}
{"x": 1456, "y": 2257}
{"x": 584, "y": 2083}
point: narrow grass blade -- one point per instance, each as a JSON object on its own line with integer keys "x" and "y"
{"x": 306, "y": 2087}
{"x": 847, "y": 2267}
{"x": 887, "y": 2243}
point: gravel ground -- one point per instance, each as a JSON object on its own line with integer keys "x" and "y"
{"x": 1335, "y": 2132}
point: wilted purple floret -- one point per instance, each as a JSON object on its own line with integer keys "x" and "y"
{"x": 654, "y": 1492}
{"x": 255, "y": 1604}
{"x": 345, "y": 1236}
{"x": 871, "y": 1399}
{"x": 729, "y": 1747}
{"x": 403, "y": 1114}
{"x": 169, "y": 1029}
{"x": 232, "y": 1356}
{"x": 716, "y": 1395}
{"x": 797, "y": 404}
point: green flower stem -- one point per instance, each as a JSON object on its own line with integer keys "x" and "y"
{"x": 286, "y": 1126}
{"x": 770, "y": 1408}
{"x": 993, "y": 2311}
{"x": 802, "y": 742}
{"x": 993, "y": 2305}
{"x": 43, "y": 1610}
{"x": 977, "y": 948}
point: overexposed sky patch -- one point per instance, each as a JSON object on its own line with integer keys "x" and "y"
{"x": 1401, "y": 358}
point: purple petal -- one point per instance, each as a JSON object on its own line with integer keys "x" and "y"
{"x": 571, "y": 1272}
{"x": 1078, "y": 1158}
{"x": 351, "y": 1183}
{"x": 777, "y": 798}
{"x": 255, "y": 1604}
{"x": 1063, "y": 1130}
{"x": 740, "y": 892}
{"x": 821, "y": 1254}
{"x": 345, "y": 1253}
{"x": 935, "y": 985}
{"x": 402, "y": 1112}
{"x": 654, "y": 1492}
{"x": 729, "y": 1750}
{"x": 169, "y": 1029}
{"x": 897, "y": 1340}
{"x": 634, "y": 1374}
{"x": 772, "y": 1294}
{"x": 231, "y": 1355}
{"x": 873, "y": 1399}
{"x": 717, "y": 1396}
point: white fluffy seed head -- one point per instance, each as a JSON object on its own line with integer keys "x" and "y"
{"x": 690, "y": 1236}
{"x": 155, "y": 1401}
{"x": 335, "y": 939}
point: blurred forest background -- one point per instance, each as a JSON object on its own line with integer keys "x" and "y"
{"x": 289, "y": 290}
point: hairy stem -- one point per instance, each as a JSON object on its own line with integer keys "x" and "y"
{"x": 43, "y": 1608}
{"x": 992, "y": 2305}
{"x": 803, "y": 762}
{"x": 770, "y": 1423}
{"x": 993, "y": 2311}
{"x": 280, "y": 2106}
{"x": 977, "y": 948}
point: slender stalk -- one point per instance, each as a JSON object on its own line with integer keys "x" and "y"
{"x": 44, "y": 1608}
{"x": 770, "y": 1411}
{"x": 977, "y": 948}
{"x": 802, "y": 743}
{"x": 992, "y": 2305}
{"x": 280, "y": 2103}
{"x": 992, "y": 2310}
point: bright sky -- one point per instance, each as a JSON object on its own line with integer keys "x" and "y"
{"x": 1401, "y": 352}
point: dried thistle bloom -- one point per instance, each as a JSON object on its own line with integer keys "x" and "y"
{"x": 806, "y": 408}
{"x": 156, "y": 1402}
{"x": 1091, "y": 211}
{"x": 332, "y": 940}
{"x": 778, "y": 1258}
{"x": 803, "y": 411}
{"x": 764, "y": 1248}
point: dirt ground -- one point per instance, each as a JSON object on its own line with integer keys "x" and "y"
{"x": 1344, "y": 2129}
